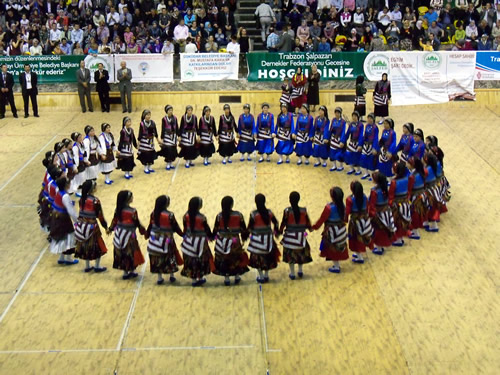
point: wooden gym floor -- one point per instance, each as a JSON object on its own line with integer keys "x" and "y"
{"x": 431, "y": 307}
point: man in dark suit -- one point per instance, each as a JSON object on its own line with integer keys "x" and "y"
{"x": 6, "y": 94}
{"x": 225, "y": 21}
{"x": 29, "y": 89}
{"x": 83, "y": 78}
{"x": 101, "y": 77}
{"x": 285, "y": 43}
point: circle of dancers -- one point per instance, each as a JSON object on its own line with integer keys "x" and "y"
{"x": 409, "y": 193}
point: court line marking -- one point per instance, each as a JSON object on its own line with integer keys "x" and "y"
{"x": 23, "y": 283}
{"x": 23, "y": 167}
{"x": 264, "y": 324}
{"x": 159, "y": 348}
{"x": 139, "y": 285}
{"x": 132, "y": 307}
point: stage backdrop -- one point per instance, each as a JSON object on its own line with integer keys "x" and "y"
{"x": 148, "y": 67}
{"x": 487, "y": 66}
{"x": 264, "y": 66}
{"x": 50, "y": 68}
{"x": 209, "y": 66}
{"x": 431, "y": 77}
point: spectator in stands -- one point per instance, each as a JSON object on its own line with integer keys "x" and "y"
{"x": 181, "y": 33}
{"x": 294, "y": 17}
{"x": 329, "y": 33}
{"x": 315, "y": 31}
{"x": 77, "y": 49}
{"x": 189, "y": 17}
{"x": 460, "y": 32}
{"x": 36, "y": 48}
{"x": 383, "y": 19}
{"x": 132, "y": 46}
{"x": 65, "y": 47}
{"x": 358, "y": 20}
{"x": 211, "y": 45}
{"x": 168, "y": 47}
{"x": 496, "y": 44}
{"x": 190, "y": 46}
{"x": 377, "y": 44}
{"x": 303, "y": 33}
{"x": 397, "y": 17}
{"x": 266, "y": 17}
{"x": 126, "y": 18}
{"x": 297, "y": 47}
{"x": 345, "y": 20}
{"x": 471, "y": 29}
{"x": 483, "y": 28}
{"x": 324, "y": 46}
{"x": 226, "y": 21}
{"x": 496, "y": 29}
{"x": 350, "y": 5}
{"x": 220, "y": 38}
{"x": 233, "y": 46}
{"x": 273, "y": 40}
{"x": 244, "y": 40}
{"x": 435, "y": 43}
{"x": 285, "y": 43}
{"x": 118, "y": 46}
{"x": 484, "y": 44}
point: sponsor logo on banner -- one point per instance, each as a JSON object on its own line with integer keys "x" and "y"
{"x": 92, "y": 63}
{"x": 487, "y": 66}
{"x": 375, "y": 65}
{"x": 144, "y": 67}
{"x": 432, "y": 60}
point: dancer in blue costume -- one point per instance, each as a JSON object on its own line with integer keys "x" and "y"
{"x": 305, "y": 131}
{"x": 285, "y": 132}
{"x": 265, "y": 133}
{"x": 321, "y": 137}
{"x": 246, "y": 133}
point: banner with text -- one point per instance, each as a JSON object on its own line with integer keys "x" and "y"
{"x": 430, "y": 77}
{"x": 147, "y": 67}
{"x": 209, "y": 66}
{"x": 487, "y": 66}
{"x": 92, "y": 63}
{"x": 264, "y": 66}
{"x": 49, "y": 68}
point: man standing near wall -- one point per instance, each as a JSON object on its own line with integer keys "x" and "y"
{"x": 83, "y": 78}
{"x": 29, "y": 89}
{"x": 101, "y": 77}
{"x": 125, "y": 86}
{"x": 6, "y": 94}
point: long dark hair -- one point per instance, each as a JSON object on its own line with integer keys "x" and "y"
{"x": 419, "y": 166}
{"x": 48, "y": 159}
{"x": 87, "y": 188}
{"x": 227, "y": 206}
{"x": 439, "y": 154}
{"x": 337, "y": 196}
{"x": 61, "y": 183}
{"x": 399, "y": 169}
{"x": 431, "y": 161}
{"x": 357, "y": 191}
{"x": 54, "y": 171}
{"x": 294, "y": 202}
{"x": 161, "y": 205}
{"x": 122, "y": 199}
{"x": 381, "y": 181}
{"x": 260, "y": 201}
{"x": 193, "y": 210}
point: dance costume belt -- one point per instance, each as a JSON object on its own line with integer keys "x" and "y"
{"x": 334, "y": 142}
{"x": 284, "y": 134}
{"x": 146, "y": 144}
{"x": 170, "y": 139}
{"x": 246, "y": 135}
{"x": 226, "y": 136}
{"x": 352, "y": 146}
{"x": 318, "y": 138}
{"x": 302, "y": 136}
{"x": 367, "y": 148}
{"x": 188, "y": 138}
{"x": 206, "y": 138}
{"x": 264, "y": 133}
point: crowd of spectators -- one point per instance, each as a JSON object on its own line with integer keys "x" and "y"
{"x": 77, "y": 27}
{"x": 376, "y": 25}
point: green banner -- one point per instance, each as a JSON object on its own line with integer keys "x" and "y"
{"x": 50, "y": 68}
{"x": 274, "y": 66}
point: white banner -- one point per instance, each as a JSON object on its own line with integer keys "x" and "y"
{"x": 430, "y": 77}
{"x": 209, "y": 66}
{"x": 148, "y": 67}
{"x": 92, "y": 63}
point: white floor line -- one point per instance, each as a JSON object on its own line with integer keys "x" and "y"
{"x": 166, "y": 348}
{"x": 132, "y": 307}
{"x": 264, "y": 327}
{"x": 27, "y": 163}
{"x": 139, "y": 285}
{"x": 21, "y": 286}
{"x": 160, "y": 348}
